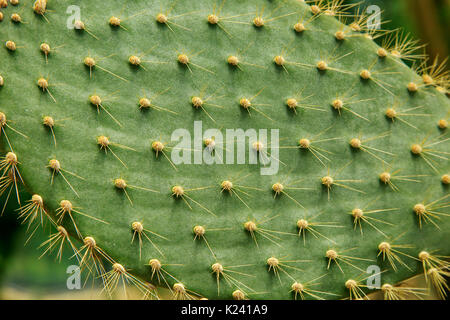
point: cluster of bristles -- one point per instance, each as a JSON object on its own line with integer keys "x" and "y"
{"x": 90, "y": 254}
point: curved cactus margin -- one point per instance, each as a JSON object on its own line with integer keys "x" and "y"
{"x": 103, "y": 100}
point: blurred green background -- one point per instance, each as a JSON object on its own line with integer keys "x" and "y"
{"x": 427, "y": 20}
{"x": 24, "y": 276}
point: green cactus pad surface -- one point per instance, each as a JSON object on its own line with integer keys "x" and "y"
{"x": 104, "y": 130}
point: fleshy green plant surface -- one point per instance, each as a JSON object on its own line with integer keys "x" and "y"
{"x": 276, "y": 63}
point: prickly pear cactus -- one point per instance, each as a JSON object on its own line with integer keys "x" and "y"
{"x": 122, "y": 122}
